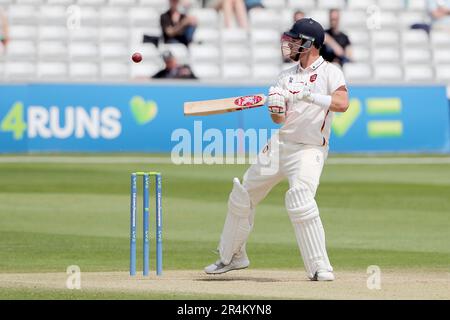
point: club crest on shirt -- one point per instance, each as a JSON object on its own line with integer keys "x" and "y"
{"x": 313, "y": 77}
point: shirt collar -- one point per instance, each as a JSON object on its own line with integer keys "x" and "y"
{"x": 313, "y": 65}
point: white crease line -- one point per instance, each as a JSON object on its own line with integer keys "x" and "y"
{"x": 388, "y": 161}
{"x": 81, "y": 160}
{"x": 167, "y": 160}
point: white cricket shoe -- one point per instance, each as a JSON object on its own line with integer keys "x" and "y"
{"x": 236, "y": 263}
{"x": 323, "y": 276}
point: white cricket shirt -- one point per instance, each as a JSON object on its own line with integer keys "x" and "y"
{"x": 305, "y": 122}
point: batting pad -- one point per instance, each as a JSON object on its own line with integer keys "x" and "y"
{"x": 237, "y": 223}
{"x": 304, "y": 215}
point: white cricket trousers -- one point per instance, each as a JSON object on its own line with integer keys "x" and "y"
{"x": 279, "y": 160}
{"x": 302, "y": 166}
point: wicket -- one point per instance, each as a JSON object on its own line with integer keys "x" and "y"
{"x": 145, "y": 221}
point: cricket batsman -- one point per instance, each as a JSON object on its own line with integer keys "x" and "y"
{"x": 303, "y": 100}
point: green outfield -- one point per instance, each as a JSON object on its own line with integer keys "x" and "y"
{"x": 58, "y": 214}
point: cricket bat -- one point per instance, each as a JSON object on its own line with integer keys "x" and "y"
{"x": 218, "y": 106}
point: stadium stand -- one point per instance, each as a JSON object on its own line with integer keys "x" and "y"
{"x": 43, "y": 44}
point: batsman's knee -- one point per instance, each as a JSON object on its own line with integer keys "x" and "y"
{"x": 300, "y": 203}
{"x": 304, "y": 182}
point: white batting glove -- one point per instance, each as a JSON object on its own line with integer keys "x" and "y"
{"x": 276, "y": 100}
{"x": 307, "y": 94}
{"x": 298, "y": 92}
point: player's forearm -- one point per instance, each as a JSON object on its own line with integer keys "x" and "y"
{"x": 339, "y": 101}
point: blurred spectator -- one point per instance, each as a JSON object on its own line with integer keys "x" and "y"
{"x": 4, "y": 34}
{"x": 422, "y": 26}
{"x": 298, "y": 14}
{"x": 176, "y": 25}
{"x": 151, "y": 39}
{"x": 439, "y": 11}
{"x": 173, "y": 70}
{"x": 230, "y": 9}
{"x": 337, "y": 46}
{"x": 252, "y": 4}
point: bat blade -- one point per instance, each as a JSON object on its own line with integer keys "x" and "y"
{"x": 218, "y": 106}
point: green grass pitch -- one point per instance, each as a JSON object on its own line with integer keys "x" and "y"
{"x": 54, "y": 215}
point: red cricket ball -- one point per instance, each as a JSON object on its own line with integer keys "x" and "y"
{"x": 136, "y": 57}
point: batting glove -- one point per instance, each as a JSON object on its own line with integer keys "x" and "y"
{"x": 298, "y": 92}
{"x": 276, "y": 100}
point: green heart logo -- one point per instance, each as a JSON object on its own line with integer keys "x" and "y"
{"x": 143, "y": 111}
{"x": 343, "y": 121}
